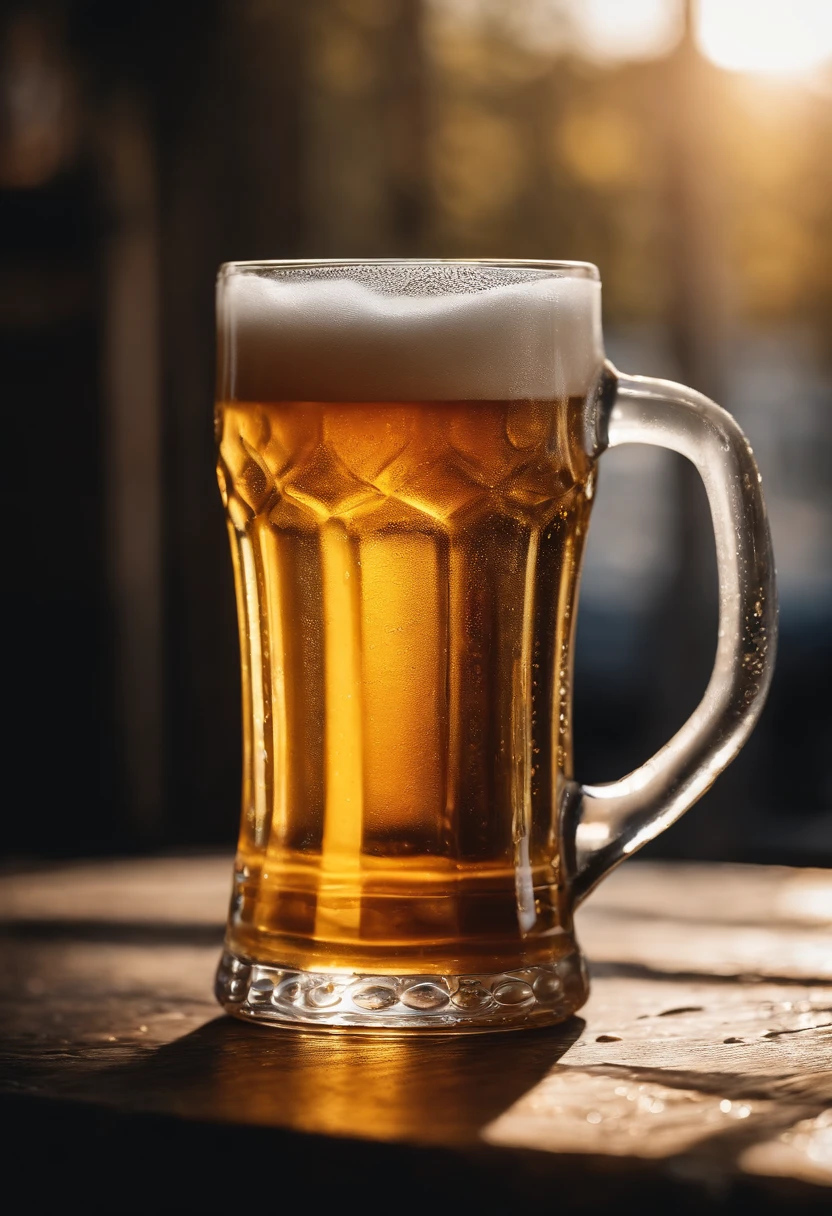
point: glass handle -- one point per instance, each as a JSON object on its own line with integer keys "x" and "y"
{"x": 604, "y": 824}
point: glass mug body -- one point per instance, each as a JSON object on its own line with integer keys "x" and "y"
{"x": 407, "y": 454}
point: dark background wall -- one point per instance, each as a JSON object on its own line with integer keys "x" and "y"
{"x": 142, "y": 144}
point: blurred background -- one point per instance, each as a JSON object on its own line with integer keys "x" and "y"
{"x": 684, "y": 148}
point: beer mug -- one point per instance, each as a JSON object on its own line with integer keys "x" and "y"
{"x": 408, "y": 453}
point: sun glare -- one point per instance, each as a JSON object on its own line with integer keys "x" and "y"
{"x": 638, "y": 29}
{"x": 770, "y": 37}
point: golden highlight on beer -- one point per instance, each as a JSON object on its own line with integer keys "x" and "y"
{"x": 406, "y": 574}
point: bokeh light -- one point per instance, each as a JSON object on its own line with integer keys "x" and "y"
{"x": 608, "y": 30}
{"x": 770, "y": 37}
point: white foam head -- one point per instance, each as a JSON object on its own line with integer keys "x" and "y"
{"x": 336, "y": 338}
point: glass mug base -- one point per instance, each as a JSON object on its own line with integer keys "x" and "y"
{"x": 530, "y": 997}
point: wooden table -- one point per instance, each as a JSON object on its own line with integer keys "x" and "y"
{"x": 698, "y": 1076}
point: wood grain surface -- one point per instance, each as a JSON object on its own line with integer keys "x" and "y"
{"x": 700, "y": 1071}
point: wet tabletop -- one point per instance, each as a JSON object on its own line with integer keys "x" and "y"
{"x": 699, "y": 1073}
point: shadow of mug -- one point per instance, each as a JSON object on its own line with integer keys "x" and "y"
{"x": 440, "y": 1089}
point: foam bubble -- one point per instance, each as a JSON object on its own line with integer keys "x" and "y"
{"x": 335, "y": 339}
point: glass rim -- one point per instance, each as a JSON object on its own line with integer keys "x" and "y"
{"x": 563, "y": 269}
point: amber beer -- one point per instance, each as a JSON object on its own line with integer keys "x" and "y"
{"x": 407, "y": 495}
{"x": 400, "y": 570}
